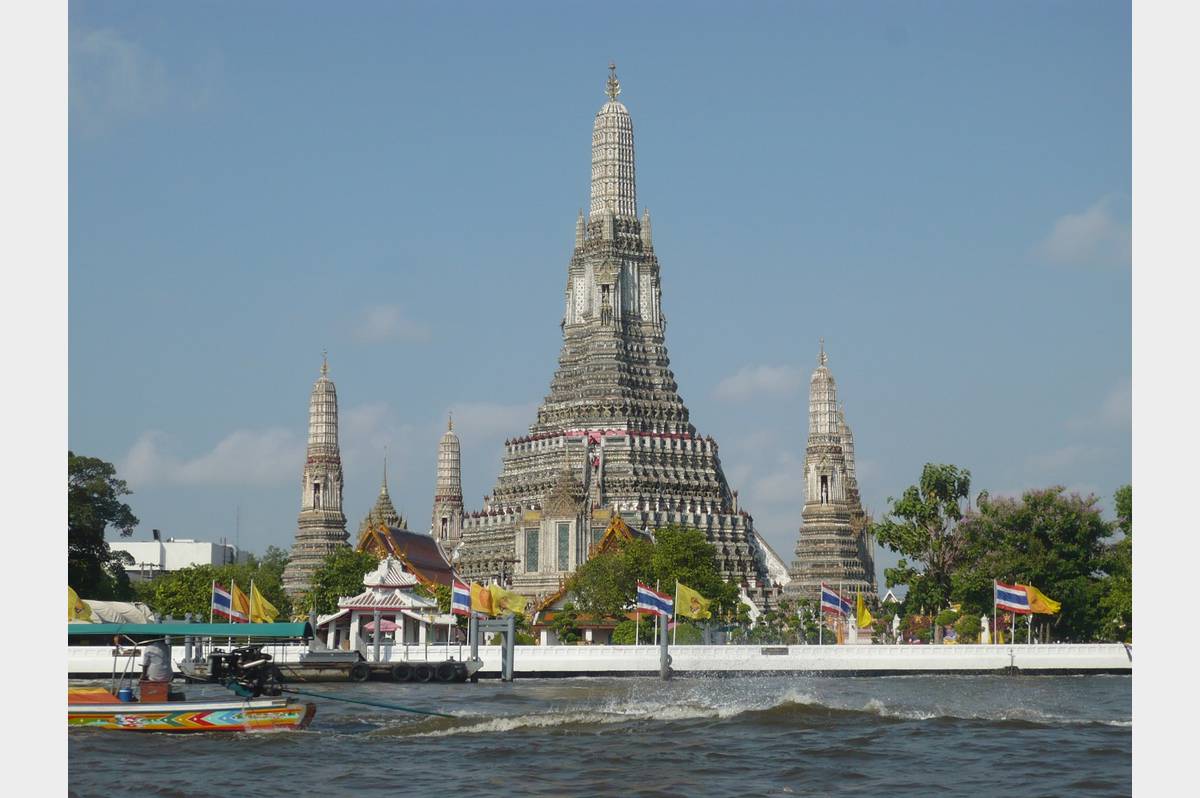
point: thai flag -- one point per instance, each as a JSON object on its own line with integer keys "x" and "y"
{"x": 460, "y": 598}
{"x": 1012, "y": 598}
{"x": 222, "y": 604}
{"x": 650, "y": 599}
{"x": 832, "y": 601}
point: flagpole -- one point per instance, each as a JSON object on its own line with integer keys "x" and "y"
{"x": 251, "y": 613}
{"x": 656, "y": 622}
{"x": 211, "y": 592}
{"x": 821, "y": 617}
{"x": 995, "y": 628}
{"x": 675, "y": 610}
{"x": 637, "y": 617}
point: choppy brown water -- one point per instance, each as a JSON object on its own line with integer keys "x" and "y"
{"x": 896, "y": 736}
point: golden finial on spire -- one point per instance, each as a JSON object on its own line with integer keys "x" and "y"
{"x": 324, "y": 363}
{"x": 823, "y": 359}
{"x": 614, "y": 85}
{"x": 450, "y": 422}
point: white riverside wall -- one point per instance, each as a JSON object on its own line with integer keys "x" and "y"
{"x": 534, "y": 661}
{"x": 821, "y": 660}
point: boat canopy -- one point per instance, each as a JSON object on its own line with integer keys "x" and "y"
{"x": 150, "y": 631}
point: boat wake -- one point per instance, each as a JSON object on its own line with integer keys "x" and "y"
{"x": 793, "y": 708}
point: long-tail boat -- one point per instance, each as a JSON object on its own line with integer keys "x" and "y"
{"x": 247, "y": 671}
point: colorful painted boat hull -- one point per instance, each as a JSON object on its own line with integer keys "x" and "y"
{"x": 194, "y": 716}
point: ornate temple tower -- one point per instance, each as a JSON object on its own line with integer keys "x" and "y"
{"x": 384, "y": 512}
{"x": 613, "y": 434}
{"x": 447, "y": 496}
{"x": 322, "y": 526}
{"x": 834, "y": 546}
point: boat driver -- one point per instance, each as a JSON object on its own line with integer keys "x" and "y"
{"x": 156, "y": 661}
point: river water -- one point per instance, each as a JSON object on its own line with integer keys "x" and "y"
{"x": 890, "y": 736}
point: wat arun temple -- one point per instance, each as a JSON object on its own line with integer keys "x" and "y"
{"x": 612, "y": 439}
{"x": 613, "y": 435}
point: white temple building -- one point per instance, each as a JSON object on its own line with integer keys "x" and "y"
{"x": 406, "y": 618}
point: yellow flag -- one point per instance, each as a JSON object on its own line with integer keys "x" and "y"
{"x": 506, "y": 600}
{"x": 863, "y": 615}
{"x": 241, "y": 605}
{"x": 1040, "y": 603}
{"x": 261, "y": 610}
{"x": 689, "y": 603}
{"x": 481, "y": 599}
{"x": 77, "y": 608}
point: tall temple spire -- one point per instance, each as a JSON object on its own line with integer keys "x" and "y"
{"x": 322, "y": 525}
{"x": 822, "y": 399}
{"x": 614, "y": 188}
{"x": 446, "y": 524}
{"x": 834, "y": 546}
{"x": 613, "y": 420}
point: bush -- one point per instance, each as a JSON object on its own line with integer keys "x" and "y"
{"x": 967, "y": 628}
{"x": 523, "y": 639}
{"x": 623, "y": 634}
{"x": 946, "y": 618}
{"x": 686, "y": 635}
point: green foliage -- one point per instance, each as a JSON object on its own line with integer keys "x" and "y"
{"x": 566, "y": 625}
{"x": 946, "y": 618}
{"x": 524, "y": 639}
{"x": 605, "y": 585}
{"x": 340, "y": 575}
{"x": 923, "y": 527}
{"x": 1116, "y": 598}
{"x": 967, "y": 628}
{"x": 1048, "y": 539}
{"x": 94, "y": 504}
{"x": 624, "y": 632}
{"x": 190, "y": 589}
{"x": 687, "y": 634}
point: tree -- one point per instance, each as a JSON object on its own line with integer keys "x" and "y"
{"x": 94, "y": 504}
{"x": 566, "y": 625}
{"x": 1048, "y": 539}
{"x": 606, "y": 585}
{"x": 190, "y": 589}
{"x": 340, "y": 575}
{"x": 1116, "y": 601}
{"x": 923, "y": 526}
{"x": 623, "y": 633}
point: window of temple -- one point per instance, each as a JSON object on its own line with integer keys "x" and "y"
{"x": 316, "y": 501}
{"x": 445, "y": 526}
{"x": 564, "y": 547}
{"x": 531, "y": 550}
{"x": 824, "y": 489}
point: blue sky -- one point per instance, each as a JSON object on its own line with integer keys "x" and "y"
{"x": 941, "y": 191}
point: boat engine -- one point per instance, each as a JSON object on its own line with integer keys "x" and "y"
{"x": 246, "y": 671}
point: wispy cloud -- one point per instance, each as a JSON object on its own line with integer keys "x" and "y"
{"x": 389, "y": 323}
{"x": 1062, "y": 458}
{"x": 1114, "y": 412}
{"x": 1092, "y": 237}
{"x": 247, "y": 456}
{"x": 112, "y": 79}
{"x": 759, "y": 380}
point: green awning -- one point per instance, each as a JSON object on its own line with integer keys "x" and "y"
{"x": 149, "y": 631}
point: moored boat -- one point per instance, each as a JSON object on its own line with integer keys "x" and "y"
{"x": 97, "y": 708}
{"x": 247, "y": 671}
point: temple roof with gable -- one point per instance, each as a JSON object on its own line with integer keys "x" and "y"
{"x": 420, "y": 554}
